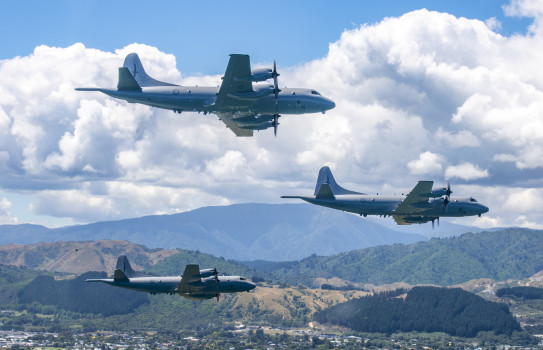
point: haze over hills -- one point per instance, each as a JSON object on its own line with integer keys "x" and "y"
{"x": 499, "y": 255}
{"x": 277, "y": 232}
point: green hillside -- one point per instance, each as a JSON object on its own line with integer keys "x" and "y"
{"x": 12, "y": 279}
{"x": 500, "y": 255}
{"x": 423, "y": 309}
{"x": 79, "y": 296}
{"x": 175, "y": 264}
{"x": 44, "y": 303}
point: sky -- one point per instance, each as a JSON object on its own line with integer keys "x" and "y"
{"x": 433, "y": 90}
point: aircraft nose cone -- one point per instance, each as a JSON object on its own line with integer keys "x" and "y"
{"x": 484, "y": 209}
{"x": 331, "y": 104}
{"x": 252, "y": 286}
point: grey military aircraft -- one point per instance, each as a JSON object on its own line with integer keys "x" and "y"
{"x": 419, "y": 206}
{"x": 195, "y": 284}
{"x": 240, "y": 105}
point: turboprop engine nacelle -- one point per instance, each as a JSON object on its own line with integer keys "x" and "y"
{"x": 259, "y": 74}
{"x": 254, "y": 119}
{"x": 418, "y": 219}
{"x": 260, "y": 126}
{"x": 207, "y": 273}
{"x": 440, "y": 192}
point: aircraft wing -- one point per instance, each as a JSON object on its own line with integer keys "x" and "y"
{"x": 235, "y": 81}
{"x": 415, "y": 200}
{"x": 191, "y": 274}
{"x": 227, "y": 118}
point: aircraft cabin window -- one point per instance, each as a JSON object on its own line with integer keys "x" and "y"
{"x": 293, "y": 93}
{"x": 314, "y": 92}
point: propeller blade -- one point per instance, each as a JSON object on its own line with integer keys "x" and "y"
{"x": 275, "y": 123}
{"x": 448, "y": 191}
{"x": 275, "y": 83}
{"x": 445, "y": 203}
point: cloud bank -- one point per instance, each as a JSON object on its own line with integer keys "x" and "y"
{"x": 422, "y": 96}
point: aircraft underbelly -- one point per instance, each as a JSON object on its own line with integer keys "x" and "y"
{"x": 150, "y": 287}
{"x": 286, "y": 105}
{"x": 181, "y": 101}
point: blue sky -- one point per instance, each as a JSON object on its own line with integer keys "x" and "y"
{"x": 201, "y": 35}
{"x": 419, "y": 94}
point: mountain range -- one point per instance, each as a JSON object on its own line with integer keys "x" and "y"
{"x": 500, "y": 255}
{"x": 277, "y": 232}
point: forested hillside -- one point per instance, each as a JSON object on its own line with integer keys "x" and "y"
{"x": 79, "y": 296}
{"x": 422, "y": 309}
{"x": 521, "y": 292}
{"x": 175, "y": 265}
{"x": 500, "y": 255}
{"x": 12, "y": 279}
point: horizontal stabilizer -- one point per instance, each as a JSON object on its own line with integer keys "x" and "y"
{"x": 127, "y": 81}
{"x": 97, "y": 280}
{"x": 88, "y": 89}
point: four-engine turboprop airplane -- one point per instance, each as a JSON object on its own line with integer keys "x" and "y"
{"x": 420, "y": 205}
{"x": 240, "y": 105}
{"x": 195, "y": 284}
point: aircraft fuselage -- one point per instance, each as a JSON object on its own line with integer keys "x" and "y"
{"x": 386, "y": 205}
{"x": 202, "y": 99}
{"x": 204, "y": 289}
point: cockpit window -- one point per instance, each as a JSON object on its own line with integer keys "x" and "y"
{"x": 242, "y": 279}
{"x": 471, "y": 199}
{"x": 314, "y": 92}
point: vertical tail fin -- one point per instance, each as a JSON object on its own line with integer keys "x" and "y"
{"x": 123, "y": 270}
{"x": 127, "y": 81}
{"x": 330, "y": 185}
{"x": 133, "y": 63}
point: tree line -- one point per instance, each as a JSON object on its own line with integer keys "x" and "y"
{"x": 423, "y": 309}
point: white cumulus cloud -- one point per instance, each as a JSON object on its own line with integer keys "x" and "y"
{"x": 465, "y": 171}
{"x": 425, "y": 93}
{"x": 427, "y": 163}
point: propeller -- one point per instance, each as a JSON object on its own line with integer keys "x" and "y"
{"x": 446, "y": 199}
{"x": 216, "y": 277}
{"x": 275, "y": 83}
{"x": 435, "y": 219}
{"x": 448, "y": 191}
{"x": 276, "y": 91}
